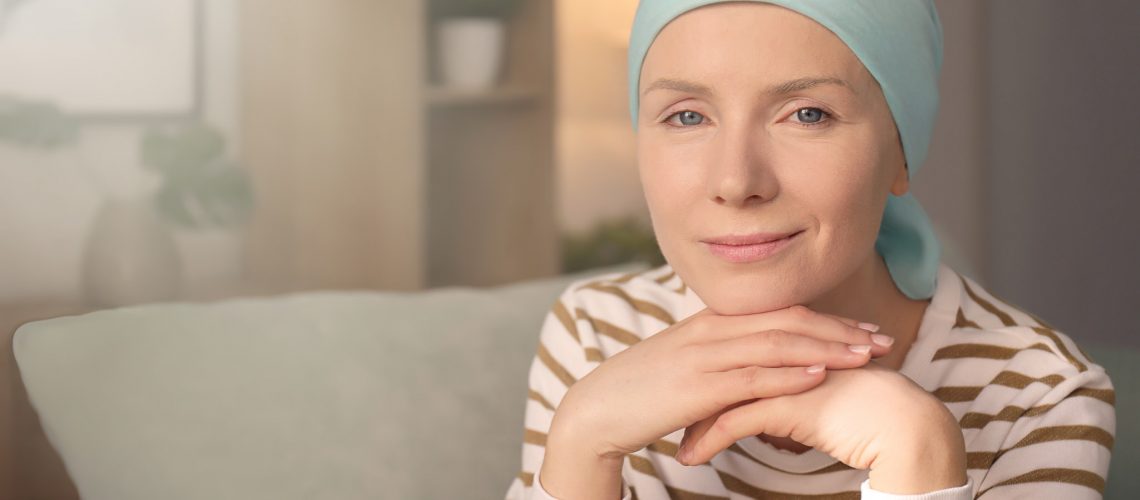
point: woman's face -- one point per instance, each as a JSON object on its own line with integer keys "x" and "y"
{"x": 756, "y": 119}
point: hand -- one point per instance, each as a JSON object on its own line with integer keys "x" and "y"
{"x": 698, "y": 367}
{"x": 868, "y": 418}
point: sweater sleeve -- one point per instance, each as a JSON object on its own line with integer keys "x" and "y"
{"x": 1058, "y": 447}
{"x": 560, "y": 360}
{"x": 964, "y": 492}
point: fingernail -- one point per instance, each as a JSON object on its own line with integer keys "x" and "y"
{"x": 860, "y": 349}
{"x": 685, "y": 455}
{"x": 814, "y": 369}
{"x": 870, "y": 327}
{"x": 883, "y": 340}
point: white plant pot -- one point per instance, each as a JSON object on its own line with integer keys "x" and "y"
{"x": 470, "y": 51}
{"x": 130, "y": 256}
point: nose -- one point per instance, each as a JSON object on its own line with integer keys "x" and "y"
{"x": 741, "y": 173}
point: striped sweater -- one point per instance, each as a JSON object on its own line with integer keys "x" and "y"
{"x": 1036, "y": 413}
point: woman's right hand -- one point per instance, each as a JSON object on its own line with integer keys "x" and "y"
{"x": 702, "y": 365}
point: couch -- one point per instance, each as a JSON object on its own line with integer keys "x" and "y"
{"x": 324, "y": 395}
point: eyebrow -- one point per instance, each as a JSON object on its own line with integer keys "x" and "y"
{"x": 781, "y": 88}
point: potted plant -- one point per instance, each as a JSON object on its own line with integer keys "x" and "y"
{"x": 130, "y": 256}
{"x": 471, "y": 40}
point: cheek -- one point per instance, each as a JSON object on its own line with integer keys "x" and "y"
{"x": 845, "y": 189}
{"x": 670, "y": 177}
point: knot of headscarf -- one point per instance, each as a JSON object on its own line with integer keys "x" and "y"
{"x": 900, "y": 44}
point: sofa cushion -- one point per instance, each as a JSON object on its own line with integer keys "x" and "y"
{"x": 323, "y": 395}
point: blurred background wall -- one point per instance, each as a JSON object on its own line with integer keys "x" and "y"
{"x": 367, "y": 171}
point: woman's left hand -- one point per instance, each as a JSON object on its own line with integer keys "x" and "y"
{"x": 868, "y": 418}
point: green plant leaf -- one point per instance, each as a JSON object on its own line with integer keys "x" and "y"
{"x": 200, "y": 188}
{"x": 611, "y": 242}
{"x": 178, "y": 151}
{"x": 35, "y": 124}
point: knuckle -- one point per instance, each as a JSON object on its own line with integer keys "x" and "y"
{"x": 702, "y": 326}
{"x": 801, "y": 311}
{"x": 724, "y": 424}
{"x": 751, "y": 376}
{"x": 775, "y": 339}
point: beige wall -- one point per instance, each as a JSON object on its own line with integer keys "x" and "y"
{"x": 594, "y": 148}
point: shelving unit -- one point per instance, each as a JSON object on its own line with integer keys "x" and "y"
{"x": 491, "y": 212}
{"x": 368, "y": 174}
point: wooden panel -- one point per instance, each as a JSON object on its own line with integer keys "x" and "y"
{"x": 491, "y": 176}
{"x": 332, "y": 131}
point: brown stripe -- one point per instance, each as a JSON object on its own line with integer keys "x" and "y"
{"x": 534, "y": 437}
{"x": 1010, "y": 305}
{"x": 626, "y": 277}
{"x": 1005, "y": 318}
{"x": 554, "y": 367}
{"x": 664, "y": 447}
{"x": 644, "y": 466}
{"x": 987, "y": 351}
{"x": 974, "y": 420}
{"x": 962, "y": 322}
{"x": 1034, "y": 316}
{"x": 836, "y": 467}
{"x": 667, "y": 277}
{"x": 980, "y": 459}
{"x": 1021, "y": 381}
{"x": 594, "y": 354}
{"x": 1061, "y": 347}
{"x": 681, "y": 289}
{"x": 1106, "y": 395}
{"x": 527, "y": 478}
{"x": 567, "y": 321}
{"x": 533, "y": 394}
{"x": 1043, "y": 329}
{"x": 736, "y": 485}
{"x": 956, "y": 394}
{"x": 984, "y": 460}
{"x": 670, "y": 449}
{"x": 608, "y": 329}
{"x": 1067, "y": 432}
{"x": 641, "y": 306}
{"x": 1057, "y": 475}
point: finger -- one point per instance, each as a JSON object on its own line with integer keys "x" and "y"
{"x": 777, "y": 348}
{"x": 797, "y": 319}
{"x": 734, "y": 387}
{"x": 708, "y": 437}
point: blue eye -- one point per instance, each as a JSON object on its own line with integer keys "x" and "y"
{"x": 810, "y": 116}
{"x": 688, "y": 118}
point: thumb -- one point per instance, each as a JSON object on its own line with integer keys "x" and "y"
{"x": 704, "y": 439}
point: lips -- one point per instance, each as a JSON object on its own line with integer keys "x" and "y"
{"x": 749, "y": 247}
{"x": 749, "y": 239}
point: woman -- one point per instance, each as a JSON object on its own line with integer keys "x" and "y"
{"x": 804, "y": 339}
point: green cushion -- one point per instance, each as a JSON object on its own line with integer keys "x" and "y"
{"x": 334, "y": 395}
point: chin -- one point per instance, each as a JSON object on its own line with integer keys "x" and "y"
{"x": 748, "y": 293}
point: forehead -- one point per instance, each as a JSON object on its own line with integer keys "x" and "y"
{"x": 749, "y": 44}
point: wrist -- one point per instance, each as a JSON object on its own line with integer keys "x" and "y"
{"x": 931, "y": 461}
{"x": 572, "y": 469}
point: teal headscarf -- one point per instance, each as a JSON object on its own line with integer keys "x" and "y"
{"x": 900, "y": 44}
